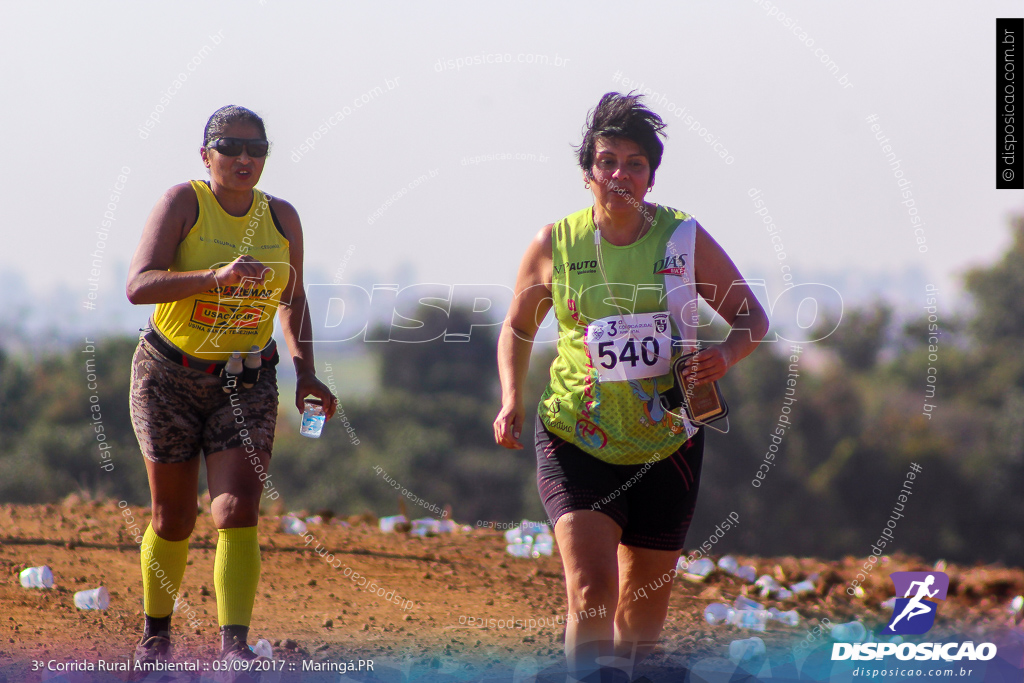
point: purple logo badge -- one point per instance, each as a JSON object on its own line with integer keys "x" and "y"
{"x": 914, "y": 612}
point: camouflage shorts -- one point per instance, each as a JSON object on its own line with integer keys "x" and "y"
{"x": 178, "y": 412}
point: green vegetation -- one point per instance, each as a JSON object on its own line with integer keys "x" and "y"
{"x": 858, "y": 423}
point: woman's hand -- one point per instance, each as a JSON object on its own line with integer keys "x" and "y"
{"x": 309, "y": 384}
{"x": 707, "y": 366}
{"x": 244, "y": 267}
{"x": 509, "y": 424}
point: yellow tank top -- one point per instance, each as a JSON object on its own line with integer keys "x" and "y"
{"x": 213, "y": 324}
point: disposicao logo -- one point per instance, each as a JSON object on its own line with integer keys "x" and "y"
{"x": 914, "y": 614}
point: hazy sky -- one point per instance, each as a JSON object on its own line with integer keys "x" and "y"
{"x": 79, "y": 80}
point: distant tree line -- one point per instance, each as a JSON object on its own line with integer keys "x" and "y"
{"x": 859, "y": 420}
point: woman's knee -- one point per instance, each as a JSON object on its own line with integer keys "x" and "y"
{"x": 233, "y": 511}
{"x": 592, "y": 589}
{"x": 174, "y": 523}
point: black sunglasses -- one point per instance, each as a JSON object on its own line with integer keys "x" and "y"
{"x": 232, "y": 147}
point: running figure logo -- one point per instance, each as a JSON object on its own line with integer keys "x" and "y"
{"x": 913, "y": 614}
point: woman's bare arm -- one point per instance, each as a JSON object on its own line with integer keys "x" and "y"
{"x": 531, "y": 303}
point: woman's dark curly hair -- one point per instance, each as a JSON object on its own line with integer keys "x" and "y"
{"x": 622, "y": 116}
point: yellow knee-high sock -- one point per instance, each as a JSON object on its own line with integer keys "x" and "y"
{"x": 236, "y": 574}
{"x": 163, "y": 565}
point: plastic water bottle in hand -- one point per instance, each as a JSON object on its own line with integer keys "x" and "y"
{"x": 313, "y": 418}
{"x": 97, "y": 598}
{"x": 37, "y": 577}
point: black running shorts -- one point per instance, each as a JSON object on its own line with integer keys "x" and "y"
{"x": 652, "y": 502}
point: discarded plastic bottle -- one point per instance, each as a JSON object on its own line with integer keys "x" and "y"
{"x": 716, "y": 613}
{"x": 293, "y": 525}
{"x": 387, "y": 524}
{"x": 425, "y": 527}
{"x": 263, "y": 648}
{"x": 850, "y": 632}
{"x": 784, "y": 594}
{"x": 805, "y": 586}
{"x": 698, "y": 570}
{"x": 768, "y": 585}
{"x": 533, "y": 528}
{"x": 514, "y": 535}
{"x": 747, "y": 573}
{"x": 746, "y": 649}
{"x": 313, "y": 418}
{"x": 97, "y": 598}
{"x": 743, "y": 603}
{"x": 37, "y": 577}
{"x": 754, "y": 619}
{"x": 790, "y": 618}
{"x": 520, "y": 549}
{"x": 728, "y": 564}
{"x": 543, "y": 544}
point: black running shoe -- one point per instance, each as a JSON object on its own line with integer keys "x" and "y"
{"x": 150, "y": 651}
{"x": 239, "y": 666}
{"x": 153, "y": 649}
{"x": 240, "y": 652}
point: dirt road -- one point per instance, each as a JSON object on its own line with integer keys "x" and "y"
{"x": 415, "y": 605}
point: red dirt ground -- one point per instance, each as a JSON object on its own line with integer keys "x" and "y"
{"x": 329, "y": 617}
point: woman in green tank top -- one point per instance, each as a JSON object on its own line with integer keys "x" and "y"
{"x": 618, "y": 469}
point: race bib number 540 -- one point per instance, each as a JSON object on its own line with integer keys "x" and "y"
{"x": 636, "y": 346}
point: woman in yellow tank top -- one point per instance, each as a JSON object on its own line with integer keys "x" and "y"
{"x": 218, "y": 259}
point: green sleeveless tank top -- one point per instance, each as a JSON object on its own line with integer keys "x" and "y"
{"x": 606, "y": 389}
